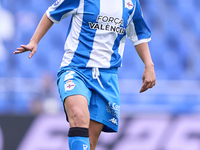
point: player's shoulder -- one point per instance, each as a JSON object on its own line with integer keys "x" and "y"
{"x": 133, "y": 1}
{"x": 65, "y": 2}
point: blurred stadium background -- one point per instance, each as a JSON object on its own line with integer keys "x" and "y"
{"x": 165, "y": 117}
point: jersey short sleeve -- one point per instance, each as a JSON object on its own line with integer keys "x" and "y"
{"x": 137, "y": 30}
{"x": 61, "y": 9}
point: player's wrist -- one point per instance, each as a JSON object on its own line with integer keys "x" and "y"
{"x": 147, "y": 65}
{"x": 35, "y": 42}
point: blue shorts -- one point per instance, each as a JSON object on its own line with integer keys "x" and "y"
{"x": 102, "y": 92}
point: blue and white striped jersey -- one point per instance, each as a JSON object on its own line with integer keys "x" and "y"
{"x": 98, "y": 30}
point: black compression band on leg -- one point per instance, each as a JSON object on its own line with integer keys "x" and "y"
{"x": 78, "y": 131}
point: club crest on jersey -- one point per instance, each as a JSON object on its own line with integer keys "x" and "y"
{"x": 128, "y": 4}
{"x": 69, "y": 85}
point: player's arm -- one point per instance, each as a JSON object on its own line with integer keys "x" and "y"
{"x": 149, "y": 78}
{"x": 44, "y": 25}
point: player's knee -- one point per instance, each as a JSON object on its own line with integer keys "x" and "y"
{"x": 79, "y": 119}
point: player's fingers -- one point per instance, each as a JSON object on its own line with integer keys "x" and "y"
{"x": 150, "y": 85}
{"x": 144, "y": 87}
{"x": 25, "y": 47}
{"x": 32, "y": 53}
{"x": 154, "y": 83}
{"x": 19, "y": 50}
{"x": 147, "y": 84}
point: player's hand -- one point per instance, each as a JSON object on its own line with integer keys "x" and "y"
{"x": 32, "y": 47}
{"x": 149, "y": 78}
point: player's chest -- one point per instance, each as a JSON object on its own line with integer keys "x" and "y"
{"x": 116, "y": 12}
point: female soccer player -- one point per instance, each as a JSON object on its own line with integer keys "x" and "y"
{"x": 87, "y": 79}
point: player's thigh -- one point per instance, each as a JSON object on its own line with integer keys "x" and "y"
{"x": 76, "y": 107}
{"x": 95, "y": 129}
{"x": 75, "y": 96}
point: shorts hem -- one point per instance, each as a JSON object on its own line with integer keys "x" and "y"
{"x": 109, "y": 126}
{"x": 67, "y": 95}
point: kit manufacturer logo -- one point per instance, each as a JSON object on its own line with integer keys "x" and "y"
{"x": 113, "y": 120}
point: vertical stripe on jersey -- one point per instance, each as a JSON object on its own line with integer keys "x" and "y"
{"x": 119, "y": 44}
{"x": 102, "y": 51}
{"x": 86, "y": 37}
{"x": 72, "y": 41}
{"x": 141, "y": 27}
{"x": 130, "y": 30}
{"x": 115, "y": 48}
{"x": 137, "y": 30}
